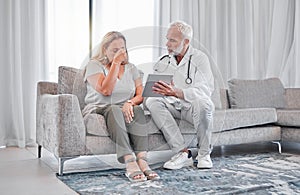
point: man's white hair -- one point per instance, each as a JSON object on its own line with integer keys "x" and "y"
{"x": 184, "y": 28}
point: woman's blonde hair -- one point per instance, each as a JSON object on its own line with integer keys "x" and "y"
{"x": 106, "y": 41}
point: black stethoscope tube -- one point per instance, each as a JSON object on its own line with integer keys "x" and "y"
{"x": 188, "y": 80}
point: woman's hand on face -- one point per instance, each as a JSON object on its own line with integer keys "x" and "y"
{"x": 127, "y": 110}
{"x": 120, "y": 56}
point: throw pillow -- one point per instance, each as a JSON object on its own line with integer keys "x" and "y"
{"x": 268, "y": 93}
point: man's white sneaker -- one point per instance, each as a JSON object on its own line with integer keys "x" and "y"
{"x": 204, "y": 162}
{"x": 178, "y": 161}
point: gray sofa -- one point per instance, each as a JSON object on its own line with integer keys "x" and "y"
{"x": 247, "y": 112}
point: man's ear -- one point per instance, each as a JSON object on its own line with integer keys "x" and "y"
{"x": 186, "y": 41}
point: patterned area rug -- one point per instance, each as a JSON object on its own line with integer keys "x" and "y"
{"x": 264, "y": 173}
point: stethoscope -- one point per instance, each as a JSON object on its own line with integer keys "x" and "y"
{"x": 188, "y": 80}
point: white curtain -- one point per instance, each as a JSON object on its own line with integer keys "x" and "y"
{"x": 22, "y": 56}
{"x": 248, "y": 39}
{"x": 135, "y": 24}
{"x": 68, "y": 34}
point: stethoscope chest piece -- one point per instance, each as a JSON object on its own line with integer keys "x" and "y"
{"x": 188, "y": 80}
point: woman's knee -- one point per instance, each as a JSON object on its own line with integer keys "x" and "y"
{"x": 138, "y": 109}
{"x": 115, "y": 109}
{"x": 115, "y": 115}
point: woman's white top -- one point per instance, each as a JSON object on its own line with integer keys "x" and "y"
{"x": 124, "y": 88}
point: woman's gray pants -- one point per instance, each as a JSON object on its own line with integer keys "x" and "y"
{"x": 129, "y": 137}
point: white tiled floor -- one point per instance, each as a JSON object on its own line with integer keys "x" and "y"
{"x": 21, "y": 172}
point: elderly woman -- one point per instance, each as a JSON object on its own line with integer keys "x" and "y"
{"x": 114, "y": 89}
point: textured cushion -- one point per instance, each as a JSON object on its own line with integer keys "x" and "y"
{"x": 95, "y": 124}
{"x": 256, "y": 93}
{"x": 290, "y": 134}
{"x": 246, "y": 117}
{"x": 227, "y": 120}
{"x": 292, "y": 96}
{"x": 289, "y": 118}
{"x": 70, "y": 81}
{"x": 246, "y": 135}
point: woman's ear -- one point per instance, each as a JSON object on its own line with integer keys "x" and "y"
{"x": 104, "y": 51}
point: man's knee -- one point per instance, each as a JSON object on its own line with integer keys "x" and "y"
{"x": 151, "y": 102}
{"x": 203, "y": 106}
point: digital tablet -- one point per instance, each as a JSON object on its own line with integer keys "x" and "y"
{"x": 153, "y": 78}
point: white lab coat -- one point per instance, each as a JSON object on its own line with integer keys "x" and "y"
{"x": 196, "y": 108}
{"x": 200, "y": 72}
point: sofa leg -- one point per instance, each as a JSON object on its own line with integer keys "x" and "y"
{"x": 61, "y": 162}
{"x": 39, "y": 151}
{"x": 279, "y": 145}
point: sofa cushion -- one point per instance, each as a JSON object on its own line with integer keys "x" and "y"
{"x": 246, "y": 117}
{"x": 70, "y": 81}
{"x": 227, "y": 120}
{"x": 290, "y": 134}
{"x": 292, "y": 97}
{"x": 246, "y": 135}
{"x": 289, "y": 118}
{"x": 95, "y": 124}
{"x": 268, "y": 93}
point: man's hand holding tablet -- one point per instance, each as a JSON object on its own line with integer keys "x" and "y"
{"x": 157, "y": 85}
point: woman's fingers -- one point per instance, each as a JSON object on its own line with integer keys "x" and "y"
{"x": 120, "y": 56}
{"x": 128, "y": 114}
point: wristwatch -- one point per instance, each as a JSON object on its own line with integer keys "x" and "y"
{"x": 129, "y": 101}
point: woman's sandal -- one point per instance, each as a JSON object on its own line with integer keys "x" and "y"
{"x": 151, "y": 175}
{"x": 132, "y": 176}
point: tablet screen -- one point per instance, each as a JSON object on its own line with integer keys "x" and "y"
{"x": 151, "y": 79}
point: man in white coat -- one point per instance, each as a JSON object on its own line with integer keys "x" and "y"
{"x": 188, "y": 97}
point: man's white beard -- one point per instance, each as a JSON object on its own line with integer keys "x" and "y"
{"x": 178, "y": 50}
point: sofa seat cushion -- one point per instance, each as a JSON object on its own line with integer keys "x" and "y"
{"x": 289, "y": 118}
{"x": 228, "y": 119}
{"x": 247, "y": 135}
{"x": 247, "y": 117}
{"x": 223, "y": 120}
{"x": 95, "y": 124}
{"x": 290, "y": 134}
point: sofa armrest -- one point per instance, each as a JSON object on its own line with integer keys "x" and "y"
{"x": 292, "y": 97}
{"x": 44, "y": 87}
{"x": 60, "y": 126}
